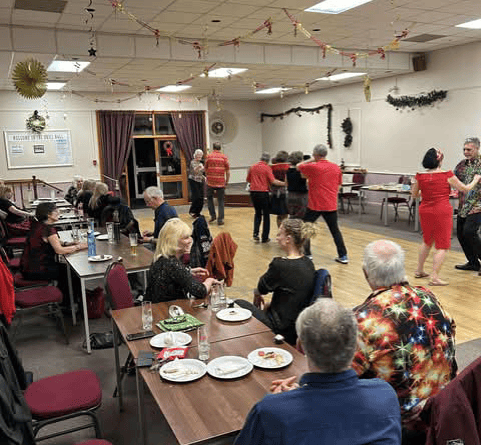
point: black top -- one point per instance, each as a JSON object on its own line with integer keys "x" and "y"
{"x": 5, "y": 204}
{"x": 292, "y": 281}
{"x": 71, "y": 195}
{"x": 84, "y": 198}
{"x": 295, "y": 182}
{"x": 169, "y": 279}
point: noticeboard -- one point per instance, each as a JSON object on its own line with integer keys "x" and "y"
{"x": 25, "y": 149}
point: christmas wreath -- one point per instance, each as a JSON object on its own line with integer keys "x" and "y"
{"x": 347, "y": 128}
{"x": 36, "y": 123}
{"x": 423, "y": 100}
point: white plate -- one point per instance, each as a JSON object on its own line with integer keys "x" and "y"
{"x": 234, "y": 314}
{"x": 97, "y": 258}
{"x": 103, "y": 237}
{"x": 229, "y": 367}
{"x": 270, "y": 363}
{"x": 96, "y": 233}
{"x": 188, "y": 370}
{"x": 170, "y": 339}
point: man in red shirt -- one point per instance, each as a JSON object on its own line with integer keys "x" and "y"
{"x": 325, "y": 178}
{"x": 260, "y": 177}
{"x": 217, "y": 173}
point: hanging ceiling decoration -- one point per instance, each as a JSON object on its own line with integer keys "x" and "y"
{"x": 422, "y": 100}
{"x": 30, "y": 79}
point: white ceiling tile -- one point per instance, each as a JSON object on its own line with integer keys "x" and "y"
{"x": 22, "y": 15}
{"x": 192, "y": 6}
{"x": 120, "y": 46}
{"x": 34, "y": 40}
{"x": 5, "y": 40}
{"x": 118, "y": 25}
{"x": 176, "y": 17}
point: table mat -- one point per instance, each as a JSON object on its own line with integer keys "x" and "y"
{"x": 181, "y": 323}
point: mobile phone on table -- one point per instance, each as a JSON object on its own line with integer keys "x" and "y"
{"x": 139, "y": 335}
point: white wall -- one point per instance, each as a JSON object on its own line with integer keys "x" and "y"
{"x": 246, "y": 146}
{"x": 389, "y": 140}
{"x": 70, "y": 112}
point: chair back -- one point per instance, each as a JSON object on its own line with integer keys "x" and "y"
{"x": 116, "y": 284}
{"x": 322, "y": 285}
{"x": 359, "y": 178}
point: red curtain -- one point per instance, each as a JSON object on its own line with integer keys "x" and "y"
{"x": 190, "y": 132}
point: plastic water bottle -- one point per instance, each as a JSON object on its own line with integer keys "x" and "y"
{"x": 80, "y": 210}
{"x": 92, "y": 249}
{"x": 116, "y": 222}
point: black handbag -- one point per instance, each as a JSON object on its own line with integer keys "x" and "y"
{"x": 100, "y": 340}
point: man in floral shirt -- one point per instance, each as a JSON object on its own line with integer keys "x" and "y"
{"x": 405, "y": 336}
{"x": 469, "y": 210}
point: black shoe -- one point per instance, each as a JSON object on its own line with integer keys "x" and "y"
{"x": 467, "y": 266}
{"x": 220, "y": 223}
{"x": 212, "y": 219}
{"x": 256, "y": 238}
{"x": 268, "y": 240}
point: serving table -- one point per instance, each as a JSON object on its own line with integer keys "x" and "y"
{"x": 208, "y": 408}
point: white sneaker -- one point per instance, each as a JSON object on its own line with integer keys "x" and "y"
{"x": 342, "y": 259}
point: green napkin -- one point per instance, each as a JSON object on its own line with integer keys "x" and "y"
{"x": 180, "y": 323}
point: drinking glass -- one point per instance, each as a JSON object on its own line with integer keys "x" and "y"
{"x": 203, "y": 343}
{"x": 75, "y": 234}
{"x": 215, "y": 299}
{"x": 147, "y": 315}
{"x": 110, "y": 232}
{"x": 133, "y": 243}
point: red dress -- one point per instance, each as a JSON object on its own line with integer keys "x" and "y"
{"x": 435, "y": 211}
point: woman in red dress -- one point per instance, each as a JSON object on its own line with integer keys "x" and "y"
{"x": 435, "y": 211}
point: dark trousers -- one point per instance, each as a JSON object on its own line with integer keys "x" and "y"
{"x": 331, "y": 221}
{"x": 220, "y": 202}
{"x": 196, "y": 196}
{"x": 260, "y": 201}
{"x": 467, "y": 232}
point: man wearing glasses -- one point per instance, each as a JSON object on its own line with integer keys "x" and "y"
{"x": 469, "y": 210}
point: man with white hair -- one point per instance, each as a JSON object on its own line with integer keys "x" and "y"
{"x": 405, "y": 336}
{"x": 154, "y": 198}
{"x": 325, "y": 179}
{"x": 331, "y": 405}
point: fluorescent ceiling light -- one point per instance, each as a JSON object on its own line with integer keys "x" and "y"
{"x": 174, "y": 88}
{"x": 474, "y": 24}
{"x": 225, "y": 72}
{"x": 272, "y": 90}
{"x": 335, "y": 6}
{"x": 65, "y": 66}
{"x": 341, "y": 76}
{"x": 55, "y": 85}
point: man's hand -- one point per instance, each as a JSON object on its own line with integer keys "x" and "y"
{"x": 199, "y": 272}
{"x": 146, "y": 233}
{"x": 283, "y": 385}
{"x": 259, "y": 301}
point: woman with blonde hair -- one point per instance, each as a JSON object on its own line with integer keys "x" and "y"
{"x": 99, "y": 200}
{"x": 83, "y": 197}
{"x": 169, "y": 279}
{"x": 291, "y": 278}
{"x": 17, "y": 220}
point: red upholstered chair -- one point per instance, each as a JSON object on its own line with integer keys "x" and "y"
{"x": 11, "y": 241}
{"x": 359, "y": 180}
{"x": 396, "y": 201}
{"x": 65, "y": 396}
{"x": 19, "y": 281}
{"x": 39, "y": 298}
{"x": 119, "y": 295}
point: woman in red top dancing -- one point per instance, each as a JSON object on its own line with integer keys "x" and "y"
{"x": 435, "y": 211}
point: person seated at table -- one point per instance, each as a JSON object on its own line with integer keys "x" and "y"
{"x": 38, "y": 260}
{"x": 74, "y": 189}
{"x": 290, "y": 278}
{"x": 18, "y": 222}
{"x": 168, "y": 278}
{"x": 330, "y": 405}
{"x": 99, "y": 200}
{"x": 83, "y": 197}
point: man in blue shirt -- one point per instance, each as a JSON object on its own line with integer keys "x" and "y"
{"x": 330, "y": 405}
{"x": 154, "y": 198}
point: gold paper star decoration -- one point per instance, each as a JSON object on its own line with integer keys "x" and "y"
{"x": 30, "y": 79}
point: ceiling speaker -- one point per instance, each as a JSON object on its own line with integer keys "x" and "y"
{"x": 419, "y": 62}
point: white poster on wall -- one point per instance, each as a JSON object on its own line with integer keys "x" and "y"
{"x": 25, "y": 149}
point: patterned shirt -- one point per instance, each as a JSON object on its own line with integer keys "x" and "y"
{"x": 470, "y": 202}
{"x": 406, "y": 338}
{"x": 216, "y": 166}
{"x": 196, "y": 171}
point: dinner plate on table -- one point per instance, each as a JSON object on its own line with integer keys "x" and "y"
{"x": 170, "y": 339}
{"x": 270, "y": 358}
{"x": 103, "y": 237}
{"x": 185, "y": 370}
{"x": 98, "y": 258}
{"x": 229, "y": 367}
{"x": 234, "y": 314}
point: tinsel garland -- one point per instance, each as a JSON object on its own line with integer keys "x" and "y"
{"x": 299, "y": 110}
{"x": 347, "y": 128}
{"x": 412, "y": 102}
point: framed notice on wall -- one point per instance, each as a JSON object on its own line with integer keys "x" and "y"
{"x": 25, "y": 149}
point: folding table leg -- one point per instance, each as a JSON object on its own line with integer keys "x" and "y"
{"x": 140, "y": 405}
{"x": 86, "y": 316}
{"x": 117, "y": 363}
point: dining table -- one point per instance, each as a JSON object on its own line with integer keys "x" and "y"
{"x": 209, "y": 408}
{"x": 87, "y": 269}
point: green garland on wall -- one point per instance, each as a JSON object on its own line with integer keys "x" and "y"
{"x": 423, "y": 100}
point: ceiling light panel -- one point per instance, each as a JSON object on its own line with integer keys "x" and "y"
{"x": 65, "y": 66}
{"x": 174, "y": 88}
{"x": 473, "y": 24}
{"x": 341, "y": 76}
{"x": 225, "y": 72}
{"x": 55, "y": 85}
{"x": 336, "y": 6}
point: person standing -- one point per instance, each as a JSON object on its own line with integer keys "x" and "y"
{"x": 260, "y": 177}
{"x": 435, "y": 211}
{"x": 278, "y": 194}
{"x": 469, "y": 209}
{"x": 296, "y": 188}
{"x": 196, "y": 182}
{"x": 217, "y": 171}
{"x": 154, "y": 198}
{"x": 325, "y": 179}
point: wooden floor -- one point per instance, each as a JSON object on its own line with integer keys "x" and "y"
{"x": 350, "y": 288}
